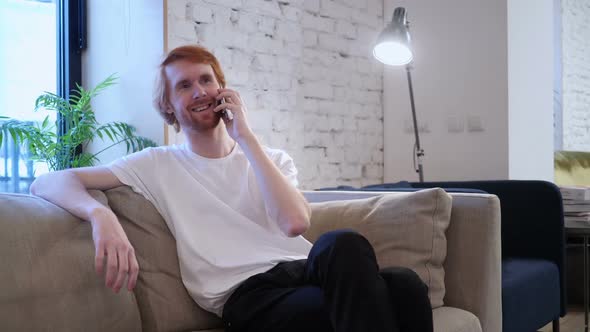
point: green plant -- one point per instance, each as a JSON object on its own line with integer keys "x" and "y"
{"x": 60, "y": 152}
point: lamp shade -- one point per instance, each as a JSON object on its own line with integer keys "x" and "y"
{"x": 393, "y": 44}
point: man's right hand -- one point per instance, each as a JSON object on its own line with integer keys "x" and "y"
{"x": 69, "y": 190}
{"x": 113, "y": 250}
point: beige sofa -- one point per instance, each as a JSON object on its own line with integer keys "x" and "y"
{"x": 48, "y": 281}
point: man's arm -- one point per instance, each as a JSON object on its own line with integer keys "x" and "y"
{"x": 283, "y": 201}
{"x": 69, "y": 190}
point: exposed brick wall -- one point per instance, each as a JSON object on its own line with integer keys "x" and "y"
{"x": 576, "y": 74}
{"x": 305, "y": 71}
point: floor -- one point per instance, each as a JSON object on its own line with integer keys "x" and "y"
{"x": 572, "y": 322}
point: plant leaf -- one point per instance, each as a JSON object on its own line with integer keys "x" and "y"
{"x": 42, "y": 143}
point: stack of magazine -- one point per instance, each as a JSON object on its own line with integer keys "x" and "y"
{"x": 576, "y": 203}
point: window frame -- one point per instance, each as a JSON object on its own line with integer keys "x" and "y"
{"x": 71, "y": 42}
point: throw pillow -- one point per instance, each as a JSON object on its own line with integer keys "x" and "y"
{"x": 405, "y": 229}
{"x": 163, "y": 301}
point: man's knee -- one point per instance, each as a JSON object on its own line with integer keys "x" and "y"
{"x": 345, "y": 240}
{"x": 345, "y": 252}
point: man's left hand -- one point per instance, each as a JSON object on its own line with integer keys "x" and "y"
{"x": 237, "y": 127}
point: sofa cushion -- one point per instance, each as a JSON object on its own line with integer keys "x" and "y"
{"x": 445, "y": 319}
{"x": 448, "y": 319}
{"x": 405, "y": 230}
{"x": 47, "y": 276}
{"x": 164, "y": 303}
{"x": 530, "y": 294}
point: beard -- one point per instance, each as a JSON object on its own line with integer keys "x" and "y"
{"x": 200, "y": 122}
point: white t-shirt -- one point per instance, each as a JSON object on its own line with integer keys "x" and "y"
{"x": 215, "y": 211}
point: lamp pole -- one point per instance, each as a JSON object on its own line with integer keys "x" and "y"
{"x": 419, "y": 152}
{"x": 393, "y": 48}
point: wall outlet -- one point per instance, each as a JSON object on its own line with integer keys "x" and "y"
{"x": 455, "y": 124}
{"x": 423, "y": 126}
{"x": 474, "y": 123}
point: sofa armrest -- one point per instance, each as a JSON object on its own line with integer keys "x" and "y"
{"x": 532, "y": 216}
{"x": 473, "y": 262}
{"x": 532, "y": 220}
{"x": 47, "y": 280}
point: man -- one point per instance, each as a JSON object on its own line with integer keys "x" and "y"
{"x": 237, "y": 217}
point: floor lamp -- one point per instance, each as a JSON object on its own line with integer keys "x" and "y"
{"x": 393, "y": 48}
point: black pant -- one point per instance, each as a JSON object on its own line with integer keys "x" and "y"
{"x": 338, "y": 288}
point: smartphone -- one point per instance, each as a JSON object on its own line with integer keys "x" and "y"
{"x": 226, "y": 113}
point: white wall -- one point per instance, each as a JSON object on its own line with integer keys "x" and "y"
{"x": 462, "y": 91}
{"x": 530, "y": 82}
{"x": 125, "y": 37}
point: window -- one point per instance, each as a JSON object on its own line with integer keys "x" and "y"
{"x": 40, "y": 50}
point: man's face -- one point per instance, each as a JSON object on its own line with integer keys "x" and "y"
{"x": 192, "y": 90}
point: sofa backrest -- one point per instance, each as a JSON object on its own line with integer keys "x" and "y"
{"x": 51, "y": 253}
